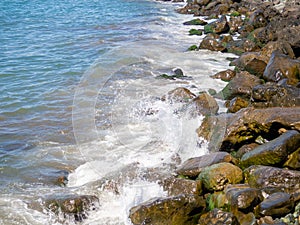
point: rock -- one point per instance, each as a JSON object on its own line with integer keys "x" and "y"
{"x": 236, "y": 104}
{"x": 178, "y": 210}
{"x": 212, "y": 43}
{"x": 220, "y": 26}
{"x": 281, "y": 66}
{"x": 291, "y": 35}
{"x": 217, "y": 216}
{"x": 235, "y": 23}
{"x": 266, "y": 176}
{"x": 195, "y": 32}
{"x": 282, "y": 46}
{"x": 193, "y": 166}
{"x": 293, "y": 161}
{"x": 179, "y": 95}
{"x": 252, "y": 62}
{"x": 217, "y": 200}
{"x": 217, "y": 176}
{"x": 195, "y": 22}
{"x": 204, "y": 104}
{"x": 243, "y": 199}
{"x": 193, "y": 48}
{"x": 176, "y": 186}
{"x": 245, "y": 148}
{"x": 273, "y": 95}
{"x": 77, "y": 206}
{"x": 225, "y": 75}
{"x": 231, "y": 131}
{"x": 241, "y": 85}
{"x": 275, "y": 205}
{"x": 257, "y": 19}
{"x": 274, "y": 152}
{"x": 246, "y": 219}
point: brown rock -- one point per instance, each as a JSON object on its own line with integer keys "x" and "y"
{"x": 282, "y": 46}
{"x": 233, "y": 130}
{"x": 225, "y": 75}
{"x": 257, "y": 19}
{"x": 220, "y": 26}
{"x": 179, "y": 95}
{"x": 204, "y": 104}
{"x": 293, "y": 161}
{"x": 217, "y": 176}
{"x": 217, "y": 216}
{"x": 281, "y": 66}
{"x": 192, "y": 167}
{"x": 272, "y": 177}
{"x": 235, "y": 23}
{"x": 211, "y": 42}
{"x": 176, "y": 186}
{"x": 178, "y": 210}
{"x": 275, "y": 205}
{"x": 246, "y": 148}
{"x": 236, "y": 104}
{"x": 241, "y": 85}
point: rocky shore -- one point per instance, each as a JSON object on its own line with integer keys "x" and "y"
{"x": 252, "y": 174}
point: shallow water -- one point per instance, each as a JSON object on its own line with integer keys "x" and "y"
{"x": 80, "y": 96}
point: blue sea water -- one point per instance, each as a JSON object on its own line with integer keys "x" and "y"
{"x": 51, "y": 55}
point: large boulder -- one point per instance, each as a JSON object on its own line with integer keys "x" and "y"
{"x": 258, "y": 176}
{"x": 177, "y": 186}
{"x": 281, "y": 67}
{"x": 274, "y": 152}
{"x": 219, "y": 26}
{"x": 212, "y": 42}
{"x": 193, "y": 166}
{"x": 229, "y": 132}
{"x": 177, "y": 210}
{"x": 217, "y": 176}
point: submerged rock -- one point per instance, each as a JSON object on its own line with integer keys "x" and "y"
{"x": 178, "y": 210}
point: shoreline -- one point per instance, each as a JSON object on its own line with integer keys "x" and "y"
{"x": 251, "y": 175}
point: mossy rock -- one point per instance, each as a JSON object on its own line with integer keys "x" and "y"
{"x": 195, "y": 22}
{"x": 195, "y": 32}
{"x": 193, "y": 48}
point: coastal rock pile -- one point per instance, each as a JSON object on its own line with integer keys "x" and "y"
{"x": 252, "y": 174}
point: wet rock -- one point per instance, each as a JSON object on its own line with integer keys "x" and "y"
{"x": 212, "y": 42}
{"x": 246, "y": 219}
{"x": 243, "y": 199}
{"x": 217, "y": 216}
{"x": 280, "y": 67}
{"x": 195, "y": 22}
{"x": 77, "y": 206}
{"x": 231, "y": 131}
{"x": 293, "y": 161}
{"x": 176, "y": 186}
{"x": 275, "y": 205}
{"x": 217, "y": 176}
{"x": 204, "y": 104}
{"x": 195, "y": 32}
{"x": 236, "y": 104}
{"x": 273, "y": 95}
{"x": 178, "y": 210}
{"x": 179, "y": 95}
{"x": 193, "y": 166}
{"x": 219, "y": 27}
{"x": 272, "y": 177}
{"x": 225, "y": 75}
{"x": 241, "y": 85}
{"x": 274, "y": 152}
{"x": 245, "y": 148}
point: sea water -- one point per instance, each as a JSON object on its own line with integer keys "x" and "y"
{"x": 80, "y": 98}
